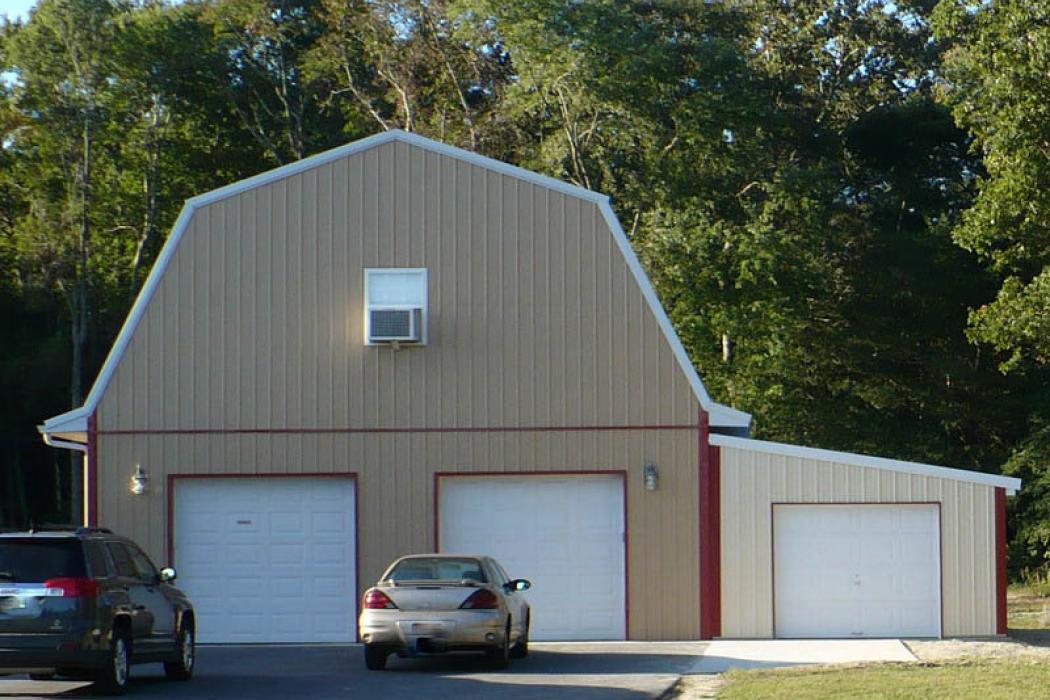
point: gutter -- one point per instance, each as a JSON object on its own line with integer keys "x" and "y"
{"x": 65, "y": 444}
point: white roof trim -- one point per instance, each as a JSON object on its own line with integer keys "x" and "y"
{"x": 720, "y": 415}
{"x": 74, "y": 421}
{"x": 1011, "y": 484}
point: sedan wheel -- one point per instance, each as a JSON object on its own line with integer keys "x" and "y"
{"x": 375, "y": 657}
{"x": 499, "y": 657}
{"x": 521, "y": 649}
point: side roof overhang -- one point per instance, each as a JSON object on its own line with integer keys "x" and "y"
{"x": 1010, "y": 484}
{"x": 71, "y": 427}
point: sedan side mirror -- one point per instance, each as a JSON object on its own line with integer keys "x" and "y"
{"x": 518, "y": 584}
{"x": 167, "y": 574}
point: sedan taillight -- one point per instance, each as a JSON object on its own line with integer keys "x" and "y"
{"x": 70, "y": 587}
{"x": 481, "y": 599}
{"x": 377, "y": 600}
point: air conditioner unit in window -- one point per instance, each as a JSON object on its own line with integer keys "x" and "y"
{"x": 395, "y": 325}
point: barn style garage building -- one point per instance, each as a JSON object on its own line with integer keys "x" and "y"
{"x": 398, "y": 346}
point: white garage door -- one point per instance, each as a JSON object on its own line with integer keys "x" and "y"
{"x": 857, "y": 570}
{"x": 563, "y": 533}
{"x": 268, "y": 559}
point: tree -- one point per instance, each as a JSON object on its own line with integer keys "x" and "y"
{"x": 257, "y": 60}
{"x": 422, "y": 66}
{"x": 109, "y": 124}
{"x": 997, "y": 88}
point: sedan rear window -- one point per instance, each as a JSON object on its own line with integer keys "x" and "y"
{"x": 437, "y": 569}
{"x": 32, "y": 560}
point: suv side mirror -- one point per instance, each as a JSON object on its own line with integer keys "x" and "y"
{"x": 518, "y": 584}
{"x": 167, "y": 574}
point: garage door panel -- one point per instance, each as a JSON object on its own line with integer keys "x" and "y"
{"x": 877, "y": 573}
{"x": 276, "y": 565}
{"x": 565, "y": 534}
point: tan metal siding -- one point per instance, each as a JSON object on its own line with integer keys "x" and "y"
{"x": 396, "y": 493}
{"x": 535, "y": 319}
{"x": 253, "y": 349}
{"x": 752, "y": 481}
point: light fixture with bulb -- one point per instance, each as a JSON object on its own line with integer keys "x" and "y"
{"x": 651, "y": 477}
{"x": 139, "y": 481}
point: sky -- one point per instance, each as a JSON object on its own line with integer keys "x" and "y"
{"x": 16, "y": 8}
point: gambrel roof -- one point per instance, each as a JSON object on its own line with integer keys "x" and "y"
{"x": 70, "y": 429}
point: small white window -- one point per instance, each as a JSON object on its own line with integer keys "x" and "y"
{"x": 395, "y": 306}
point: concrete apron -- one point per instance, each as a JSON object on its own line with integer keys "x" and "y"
{"x": 722, "y": 655}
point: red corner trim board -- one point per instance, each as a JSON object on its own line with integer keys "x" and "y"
{"x": 710, "y": 534}
{"x": 1000, "y": 560}
{"x": 91, "y": 487}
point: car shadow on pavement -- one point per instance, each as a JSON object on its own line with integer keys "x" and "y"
{"x": 338, "y": 672}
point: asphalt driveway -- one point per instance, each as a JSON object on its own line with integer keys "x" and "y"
{"x": 610, "y": 671}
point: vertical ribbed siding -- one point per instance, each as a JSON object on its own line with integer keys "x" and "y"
{"x": 752, "y": 481}
{"x": 535, "y": 319}
{"x": 396, "y": 481}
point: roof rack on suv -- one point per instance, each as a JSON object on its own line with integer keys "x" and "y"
{"x": 50, "y": 527}
{"x": 93, "y": 530}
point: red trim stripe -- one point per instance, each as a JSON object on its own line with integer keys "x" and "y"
{"x": 710, "y": 533}
{"x": 91, "y": 495}
{"x": 310, "y": 431}
{"x": 172, "y": 478}
{"x": 1000, "y": 561}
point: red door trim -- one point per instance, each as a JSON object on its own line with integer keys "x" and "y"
{"x": 773, "y": 549}
{"x": 622, "y": 473}
{"x": 173, "y": 478}
{"x": 1000, "y": 561}
{"x": 337, "y": 430}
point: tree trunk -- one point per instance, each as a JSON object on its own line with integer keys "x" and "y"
{"x": 80, "y": 320}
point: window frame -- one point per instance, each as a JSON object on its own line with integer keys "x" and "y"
{"x": 424, "y": 303}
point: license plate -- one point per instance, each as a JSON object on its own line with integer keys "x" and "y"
{"x": 428, "y": 629}
{"x": 12, "y": 603}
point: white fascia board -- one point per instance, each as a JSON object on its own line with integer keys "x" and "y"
{"x": 72, "y": 421}
{"x": 69, "y": 422}
{"x": 67, "y": 430}
{"x": 1011, "y": 484}
{"x": 719, "y": 415}
{"x": 385, "y": 137}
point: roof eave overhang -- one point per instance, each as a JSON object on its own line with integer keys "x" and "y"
{"x": 720, "y": 416}
{"x": 67, "y": 430}
{"x": 1010, "y": 484}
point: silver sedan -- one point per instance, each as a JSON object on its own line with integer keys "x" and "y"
{"x": 436, "y": 603}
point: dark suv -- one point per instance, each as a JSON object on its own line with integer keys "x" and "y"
{"x": 88, "y": 603}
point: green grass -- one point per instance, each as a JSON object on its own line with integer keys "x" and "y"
{"x": 1028, "y": 607}
{"x": 980, "y": 679}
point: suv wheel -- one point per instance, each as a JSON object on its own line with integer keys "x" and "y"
{"x": 181, "y": 668}
{"x": 112, "y": 679}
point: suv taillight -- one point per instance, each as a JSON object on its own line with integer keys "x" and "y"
{"x": 377, "y": 600}
{"x": 72, "y": 587}
{"x": 481, "y": 599}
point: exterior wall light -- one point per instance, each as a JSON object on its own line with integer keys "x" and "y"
{"x": 139, "y": 480}
{"x": 652, "y": 478}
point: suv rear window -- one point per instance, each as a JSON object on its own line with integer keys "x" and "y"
{"x": 32, "y": 560}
